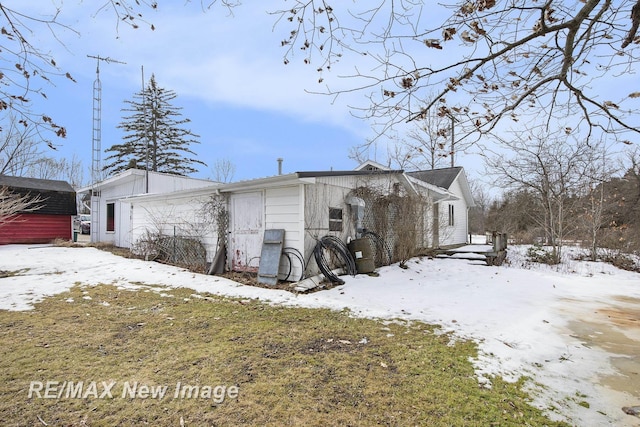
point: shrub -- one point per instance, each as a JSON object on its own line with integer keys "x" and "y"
{"x": 621, "y": 260}
{"x": 537, "y": 253}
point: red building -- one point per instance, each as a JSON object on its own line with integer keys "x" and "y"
{"x": 52, "y": 220}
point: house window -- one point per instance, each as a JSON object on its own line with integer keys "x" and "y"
{"x": 451, "y": 221}
{"x": 111, "y": 217}
{"x": 335, "y": 219}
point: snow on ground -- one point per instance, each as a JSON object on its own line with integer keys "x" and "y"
{"x": 574, "y": 329}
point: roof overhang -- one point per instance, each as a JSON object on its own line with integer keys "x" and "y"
{"x": 438, "y": 194}
{"x": 268, "y": 182}
{"x": 121, "y": 178}
{"x": 219, "y": 188}
{"x": 466, "y": 189}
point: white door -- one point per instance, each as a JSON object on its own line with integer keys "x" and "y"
{"x": 246, "y": 225}
{"x": 123, "y": 224}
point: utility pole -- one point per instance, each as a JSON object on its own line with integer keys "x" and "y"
{"x": 453, "y": 143}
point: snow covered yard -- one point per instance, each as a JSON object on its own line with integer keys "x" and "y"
{"x": 573, "y": 329}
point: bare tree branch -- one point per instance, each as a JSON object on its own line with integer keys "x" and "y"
{"x": 27, "y": 70}
{"x": 11, "y": 205}
{"x": 635, "y": 22}
{"x": 514, "y": 60}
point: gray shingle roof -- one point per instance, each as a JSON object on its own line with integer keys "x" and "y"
{"x": 439, "y": 177}
{"x": 35, "y": 184}
{"x": 56, "y": 197}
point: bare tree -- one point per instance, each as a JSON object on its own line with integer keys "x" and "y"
{"x": 555, "y": 169}
{"x": 434, "y": 143}
{"x": 516, "y": 212}
{"x": 478, "y": 214}
{"x": 223, "y": 170}
{"x": 59, "y": 169}
{"x": 593, "y": 216}
{"x": 633, "y": 175}
{"x": 13, "y": 204}
{"x": 622, "y": 209}
{"x": 18, "y": 147}
{"x": 479, "y": 61}
{"x": 20, "y": 155}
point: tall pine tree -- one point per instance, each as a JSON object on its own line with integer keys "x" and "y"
{"x": 154, "y": 135}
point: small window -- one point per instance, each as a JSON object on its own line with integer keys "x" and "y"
{"x": 335, "y": 219}
{"x": 451, "y": 221}
{"x": 111, "y": 217}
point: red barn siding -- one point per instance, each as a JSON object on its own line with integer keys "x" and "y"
{"x": 35, "y": 228}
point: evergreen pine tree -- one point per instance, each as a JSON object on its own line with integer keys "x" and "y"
{"x": 154, "y": 135}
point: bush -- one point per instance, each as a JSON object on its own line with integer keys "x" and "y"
{"x": 621, "y": 260}
{"x": 181, "y": 251}
{"x": 537, "y": 253}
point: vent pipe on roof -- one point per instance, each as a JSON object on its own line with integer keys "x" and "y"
{"x": 280, "y": 165}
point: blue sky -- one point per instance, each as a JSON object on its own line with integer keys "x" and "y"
{"x": 228, "y": 72}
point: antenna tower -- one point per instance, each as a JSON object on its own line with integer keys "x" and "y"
{"x": 96, "y": 146}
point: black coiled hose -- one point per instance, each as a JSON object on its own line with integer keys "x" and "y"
{"x": 333, "y": 245}
{"x": 288, "y": 252}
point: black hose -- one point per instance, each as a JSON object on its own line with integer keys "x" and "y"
{"x": 333, "y": 245}
{"x": 286, "y": 255}
{"x": 296, "y": 253}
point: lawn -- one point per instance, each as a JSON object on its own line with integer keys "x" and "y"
{"x": 237, "y": 362}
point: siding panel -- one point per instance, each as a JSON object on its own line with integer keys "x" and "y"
{"x": 36, "y": 228}
{"x": 182, "y": 216}
{"x": 283, "y": 210}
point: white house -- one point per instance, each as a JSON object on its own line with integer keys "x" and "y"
{"x": 306, "y": 205}
{"x": 453, "y": 211}
{"x": 110, "y": 210}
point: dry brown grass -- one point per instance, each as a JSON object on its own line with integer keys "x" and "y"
{"x": 292, "y": 366}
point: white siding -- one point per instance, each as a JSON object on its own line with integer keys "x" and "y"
{"x": 331, "y": 192}
{"x": 328, "y": 192}
{"x": 130, "y": 183}
{"x": 180, "y": 216}
{"x": 426, "y": 228}
{"x": 456, "y": 234}
{"x": 301, "y": 209}
{"x": 283, "y": 210}
{"x": 162, "y": 183}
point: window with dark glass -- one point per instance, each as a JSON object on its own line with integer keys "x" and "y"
{"x": 335, "y": 219}
{"x": 111, "y": 216}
